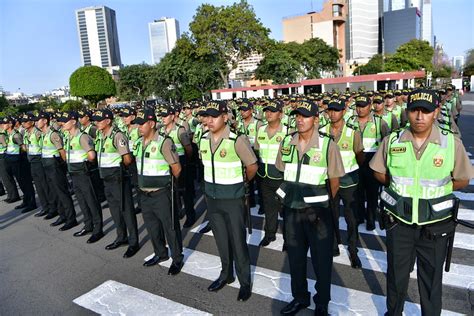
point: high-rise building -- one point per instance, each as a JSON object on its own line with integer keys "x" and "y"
{"x": 362, "y": 30}
{"x": 163, "y": 36}
{"x": 98, "y": 37}
{"x": 328, "y": 25}
{"x": 399, "y": 27}
{"x": 427, "y": 22}
{"x": 458, "y": 63}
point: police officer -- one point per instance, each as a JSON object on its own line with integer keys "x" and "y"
{"x": 18, "y": 166}
{"x": 224, "y": 155}
{"x": 7, "y": 179}
{"x": 388, "y": 117}
{"x": 373, "y": 130}
{"x": 80, "y": 154}
{"x": 113, "y": 157}
{"x": 53, "y": 158}
{"x": 33, "y": 138}
{"x": 312, "y": 166}
{"x": 157, "y": 166}
{"x": 266, "y": 145}
{"x": 181, "y": 139}
{"x": 420, "y": 166}
{"x": 349, "y": 142}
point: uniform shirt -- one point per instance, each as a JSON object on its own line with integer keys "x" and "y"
{"x": 120, "y": 142}
{"x": 384, "y": 130}
{"x": 357, "y": 145}
{"x": 86, "y": 141}
{"x": 335, "y": 165}
{"x": 462, "y": 164}
{"x": 242, "y": 147}
{"x": 256, "y": 146}
{"x": 168, "y": 149}
{"x": 395, "y": 124}
{"x": 183, "y": 135}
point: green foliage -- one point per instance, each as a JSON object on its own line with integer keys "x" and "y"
{"x": 375, "y": 65}
{"x": 3, "y": 102}
{"x": 72, "y": 105}
{"x": 442, "y": 71}
{"x": 469, "y": 57}
{"x": 279, "y": 66}
{"x": 133, "y": 82}
{"x": 231, "y": 33}
{"x": 92, "y": 83}
{"x": 413, "y": 55}
{"x": 287, "y": 62}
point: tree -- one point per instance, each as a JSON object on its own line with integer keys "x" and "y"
{"x": 92, "y": 83}
{"x": 470, "y": 57}
{"x": 316, "y": 56}
{"x": 442, "y": 71}
{"x": 231, "y": 33}
{"x": 72, "y": 105}
{"x": 413, "y": 55}
{"x": 279, "y": 66}
{"x": 469, "y": 70}
{"x": 375, "y": 65}
{"x": 3, "y": 103}
{"x": 133, "y": 82}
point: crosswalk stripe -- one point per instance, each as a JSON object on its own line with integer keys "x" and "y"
{"x": 461, "y": 240}
{"x": 460, "y": 275}
{"x": 115, "y": 298}
{"x": 276, "y": 285}
{"x": 464, "y": 196}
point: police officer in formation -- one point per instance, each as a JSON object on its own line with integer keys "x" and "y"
{"x": 420, "y": 168}
{"x": 309, "y": 153}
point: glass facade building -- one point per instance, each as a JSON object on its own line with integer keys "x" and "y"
{"x": 163, "y": 36}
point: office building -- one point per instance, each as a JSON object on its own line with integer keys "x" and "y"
{"x": 399, "y": 27}
{"x": 458, "y": 63}
{"x": 163, "y": 36}
{"x": 98, "y": 37}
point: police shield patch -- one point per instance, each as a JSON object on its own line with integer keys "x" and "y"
{"x": 317, "y": 157}
{"x": 278, "y": 139}
{"x": 438, "y": 161}
{"x": 223, "y": 153}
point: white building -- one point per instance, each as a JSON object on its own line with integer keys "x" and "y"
{"x": 98, "y": 37}
{"x": 458, "y": 63}
{"x": 362, "y": 41}
{"x": 427, "y": 22}
{"x": 163, "y": 36}
{"x": 245, "y": 70}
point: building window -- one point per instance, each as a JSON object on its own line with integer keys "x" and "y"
{"x": 336, "y": 10}
{"x": 218, "y": 95}
{"x": 265, "y": 92}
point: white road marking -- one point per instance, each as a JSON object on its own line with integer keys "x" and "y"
{"x": 459, "y": 276}
{"x": 114, "y": 298}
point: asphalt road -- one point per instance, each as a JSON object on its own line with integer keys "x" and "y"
{"x": 43, "y": 270}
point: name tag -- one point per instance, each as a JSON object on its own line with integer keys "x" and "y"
{"x": 398, "y": 150}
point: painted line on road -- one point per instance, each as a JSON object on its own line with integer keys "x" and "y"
{"x": 461, "y": 240}
{"x": 114, "y": 298}
{"x": 467, "y": 102}
{"x": 277, "y": 285}
{"x": 460, "y": 275}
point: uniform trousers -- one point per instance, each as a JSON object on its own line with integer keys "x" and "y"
{"x": 59, "y": 189}
{"x": 368, "y": 191}
{"x": 271, "y": 204}
{"x": 403, "y": 244}
{"x": 88, "y": 202}
{"x": 350, "y": 201}
{"x": 19, "y": 167}
{"x": 119, "y": 197}
{"x": 8, "y": 180}
{"x": 41, "y": 185}
{"x": 301, "y": 234}
{"x": 156, "y": 211}
{"x": 226, "y": 217}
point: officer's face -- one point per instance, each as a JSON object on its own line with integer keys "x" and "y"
{"x": 389, "y": 101}
{"x": 67, "y": 126}
{"x": 421, "y": 119}
{"x": 41, "y": 123}
{"x": 27, "y": 125}
{"x": 305, "y": 124}
{"x": 215, "y": 124}
{"x": 146, "y": 128}
{"x": 335, "y": 116}
{"x": 272, "y": 116}
{"x": 378, "y": 107}
{"x": 363, "y": 111}
{"x": 84, "y": 120}
{"x": 246, "y": 114}
{"x": 167, "y": 120}
{"x": 128, "y": 119}
{"x": 204, "y": 120}
{"x": 101, "y": 125}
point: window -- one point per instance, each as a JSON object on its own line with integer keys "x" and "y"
{"x": 336, "y": 10}
{"x": 265, "y": 92}
{"x": 218, "y": 95}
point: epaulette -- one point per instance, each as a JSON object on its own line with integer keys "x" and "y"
{"x": 323, "y": 134}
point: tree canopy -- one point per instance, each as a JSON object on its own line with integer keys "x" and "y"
{"x": 413, "y": 55}
{"x": 133, "y": 82}
{"x": 92, "y": 83}
{"x": 375, "y": 65}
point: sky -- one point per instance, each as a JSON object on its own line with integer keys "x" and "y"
{"x": 39, "y": 45}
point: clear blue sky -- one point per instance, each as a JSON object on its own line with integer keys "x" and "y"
{"x": 39, "y": 46}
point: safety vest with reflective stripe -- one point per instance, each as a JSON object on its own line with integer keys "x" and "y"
{"x": 346, "y": 147}
{"x": 12, "y": 147}
{"x": 250, "y": 130}
{"x": 198, "y": 131}
{"x": 153, "y": 169}
{"x": 108, "y": 156}
{"x": 75, "y": 154}
{"x": 33, "y": 143}
{"x": 372, "y": 135}
{"x": 305, "y": 178}
{"x": 133, "y": 137}
{"x": 173, "y": 134}
{"x": 192, "y": 126}
{"x": 3, "y": 148}
{"x": 397, "y": 111}
{"x": 420, "y": 191}
{"x": 48, "y": 150}
{"x": 223, "y": 170}
{"x": 268, "y": 152}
